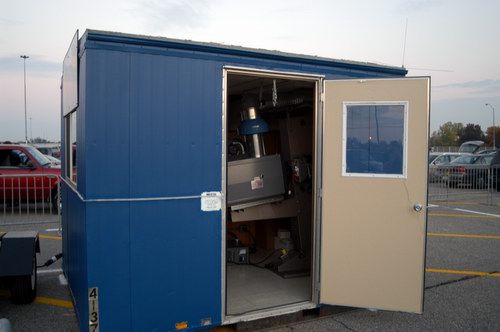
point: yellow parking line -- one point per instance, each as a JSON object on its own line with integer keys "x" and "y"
{"x": 52, "y": 237}
{"x": 449, "y": 215}
{"x": 43, "y": 300}
{"x": 468, "y": 273}
{"x": 54, "y": 302}
{"x": 44, "y": 236}
{"x": 473, "y": 236}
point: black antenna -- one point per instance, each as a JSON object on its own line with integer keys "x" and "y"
{"x": 404, "y": 44}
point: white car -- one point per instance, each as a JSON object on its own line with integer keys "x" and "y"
{"x": 53, "y": 160}
{"x": 440, "y": 158}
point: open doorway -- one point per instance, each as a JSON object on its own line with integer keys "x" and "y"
{"x": 270, "y": 163}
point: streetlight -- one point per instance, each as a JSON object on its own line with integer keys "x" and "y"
{"x": 494, "y": 134}
{"x": 24, "y": 57}
{"x": 31, "y": 130}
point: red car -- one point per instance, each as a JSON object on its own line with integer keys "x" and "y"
{"x": 27, "y": 176}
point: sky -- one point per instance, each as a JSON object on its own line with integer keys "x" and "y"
{"x": 456, "y": 42}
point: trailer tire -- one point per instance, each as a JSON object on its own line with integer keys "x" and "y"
{"x": 23, "y": 288}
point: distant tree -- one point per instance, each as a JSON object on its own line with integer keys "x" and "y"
{"x": 489, "y": 136}
{"x": 39, "y": 140}
{"x": 447, "y": 135}
{"x": 471, "y": 132}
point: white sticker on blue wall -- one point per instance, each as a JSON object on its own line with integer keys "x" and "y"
{"x": 211, "y": 201}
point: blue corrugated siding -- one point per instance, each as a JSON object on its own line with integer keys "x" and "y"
{"x": 75, "y": 250}
{"x": 219, "y": 51}
{"x": 329, "y": 71}
{"x": 109, "y": 248}
{"x": 175, "y": 265}
{"x": 154, "y": 130}
{"x": 81, "y": 133}
{"x": 175, "y": 127}
{"x": 107, "y": 139}
{"x": 176, "y": 109}
{"x": 105, "y": 173}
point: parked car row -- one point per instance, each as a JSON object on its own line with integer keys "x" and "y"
{"x": 470, "y": 170}
{"x": 477, "y": 171}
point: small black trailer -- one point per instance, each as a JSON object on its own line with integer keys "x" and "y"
{"x": 18, "y": 265}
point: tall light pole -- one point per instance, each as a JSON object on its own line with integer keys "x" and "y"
{"x": 494, "y": 134}
{"x": 24, "y": 57}
{"x": 31, "y": 130}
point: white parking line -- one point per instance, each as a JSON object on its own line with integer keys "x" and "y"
{"x": 480, "y": 213}
{"x": 62, "y": 280}
{"x": 467, "y": 211}
{"x": 49, "y": 271}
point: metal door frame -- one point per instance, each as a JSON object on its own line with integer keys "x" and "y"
{"x": 318, "y": 115}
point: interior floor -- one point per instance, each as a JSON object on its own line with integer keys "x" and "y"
{"x": 251, "y": 288}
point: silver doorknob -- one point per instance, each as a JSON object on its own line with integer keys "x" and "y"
{"x": 418, "y": 207}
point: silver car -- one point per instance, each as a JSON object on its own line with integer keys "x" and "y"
{"x": 437, "y": 159}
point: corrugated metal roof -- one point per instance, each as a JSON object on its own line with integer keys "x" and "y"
{"x": 162, "y": 42}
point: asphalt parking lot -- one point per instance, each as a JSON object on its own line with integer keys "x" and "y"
{"x": 462, "y": 279}
{"x": 52, "y": 309}
{"x": 462, "y": 287}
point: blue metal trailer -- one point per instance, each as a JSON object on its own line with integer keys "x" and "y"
{"x": 171, "y": 216}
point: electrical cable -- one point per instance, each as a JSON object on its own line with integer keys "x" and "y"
{"x": 253, "y": 248}
{"x": 233, "y": 235}
{"x": 51, "y": 261}
{"x": 265, "y": 259}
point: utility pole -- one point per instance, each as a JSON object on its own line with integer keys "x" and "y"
{"x": 31, "y": 130}
{"x": 24, "y": 57}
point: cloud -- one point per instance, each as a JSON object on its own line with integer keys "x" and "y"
{"x": 416, "y": 6}
{"x": 466, "y": 110}
{"x": 159, "y": 15}
{"x": 472, "y": 84}
{"x": 469, "y": 89}
{"x": 8, "y": 22}
{"x": 34, "y": 65}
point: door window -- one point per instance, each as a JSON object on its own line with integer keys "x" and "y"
{"x": 374, "y": 139}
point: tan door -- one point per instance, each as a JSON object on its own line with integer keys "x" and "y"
{"x": 375, "y": 193}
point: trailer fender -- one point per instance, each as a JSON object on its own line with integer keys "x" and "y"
{"x": 17, "y": 250}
